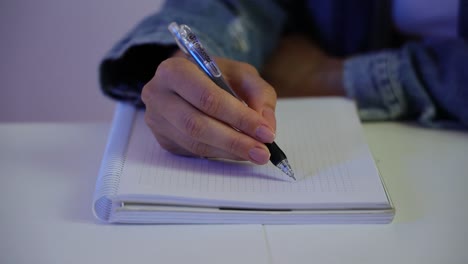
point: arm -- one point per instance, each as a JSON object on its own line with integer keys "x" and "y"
{"x": 241, "y": 30}
{"x": 420, "y": 81}
{"x": 187, "y": 113}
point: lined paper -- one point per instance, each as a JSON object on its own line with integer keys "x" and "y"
{"x": 321, "y": 137}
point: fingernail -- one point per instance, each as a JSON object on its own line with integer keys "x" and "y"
{"x": 259, "y": 155}
{"x": 265, "y": 134}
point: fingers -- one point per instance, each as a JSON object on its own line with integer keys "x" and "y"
{"x": 198, "y": 90}
{"x": 178, "y": 143}
{"x": 255, "y": 91}
{"x": 190, "y": 115}
{"x": 204, "y": 136}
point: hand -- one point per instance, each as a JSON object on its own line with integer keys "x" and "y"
{"x": 190, "y": 115}
{"x": 299, "y": 68}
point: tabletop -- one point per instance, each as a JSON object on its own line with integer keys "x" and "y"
{"x": 48, "y": 172}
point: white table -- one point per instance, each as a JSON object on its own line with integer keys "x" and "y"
{"x": 48, "y": 171}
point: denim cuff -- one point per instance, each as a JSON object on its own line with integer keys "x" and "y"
{"x": 240, "y": 30}
{"x": 373, "y": 81}
{"x": 132, "y": 62}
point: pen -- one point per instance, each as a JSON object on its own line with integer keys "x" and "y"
{"x": 191, "y": 46}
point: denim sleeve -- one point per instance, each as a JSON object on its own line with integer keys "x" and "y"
{"x": 425, "y": 81}
{"x": 242, "y": 30}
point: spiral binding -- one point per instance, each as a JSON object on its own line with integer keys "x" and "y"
{"x": 113, "y": 161}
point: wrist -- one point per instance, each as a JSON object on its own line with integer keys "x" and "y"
{"x": 328, "y": 81}
{"x": 334, "y": 80}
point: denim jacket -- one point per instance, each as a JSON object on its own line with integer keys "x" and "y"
{"x": 389, "y": 79}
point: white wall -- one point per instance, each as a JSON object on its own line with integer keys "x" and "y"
{"x": 49, "y": 56}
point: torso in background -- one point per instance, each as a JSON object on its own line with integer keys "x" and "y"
{"x": 426, "y": 18}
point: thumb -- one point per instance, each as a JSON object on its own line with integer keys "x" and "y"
{"x": 259, "y": 95}
{"x": 253, "y": 89}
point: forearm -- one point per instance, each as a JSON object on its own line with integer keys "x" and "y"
{"x": 227, "y": 30}
{"x": 298, "y": 67}
{"x": 420, "y": 81}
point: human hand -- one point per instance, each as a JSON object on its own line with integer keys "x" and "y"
{"x": 190, "y": 115}
{"x": 298, "y": 67}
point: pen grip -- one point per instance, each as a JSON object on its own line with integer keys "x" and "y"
{"x": 225, "y": 86}
{"x": 277, "y": 155}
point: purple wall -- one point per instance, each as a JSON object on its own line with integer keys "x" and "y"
{"x": 49, "y": 54}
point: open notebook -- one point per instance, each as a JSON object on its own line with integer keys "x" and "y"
{"x": 338, "y": 181}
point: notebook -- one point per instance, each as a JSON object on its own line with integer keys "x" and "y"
{"x": 337, "y": 178}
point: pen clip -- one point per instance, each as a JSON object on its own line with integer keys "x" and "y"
{"x": 191, "y": 46}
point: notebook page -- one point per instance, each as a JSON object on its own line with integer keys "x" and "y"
{"x": 324, "y": 143}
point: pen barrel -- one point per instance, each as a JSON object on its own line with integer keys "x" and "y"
{"x": 277, "y": 155}
{"x": 221, "y": 82}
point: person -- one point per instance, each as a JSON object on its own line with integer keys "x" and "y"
{"x": 399, "y": 60}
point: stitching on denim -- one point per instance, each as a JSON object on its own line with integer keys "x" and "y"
{"x": 385, "y": 80}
